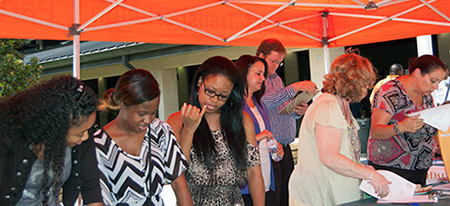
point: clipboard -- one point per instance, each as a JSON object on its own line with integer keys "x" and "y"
{"x": 301, "y": 97}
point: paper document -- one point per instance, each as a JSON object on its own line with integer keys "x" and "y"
{"x": 414, "y": 199}
{"x": 399, "y": 189}
{"x": 296, "y": 101}
{"x": 437, "y": 117}
{"x": 442, "y": 187}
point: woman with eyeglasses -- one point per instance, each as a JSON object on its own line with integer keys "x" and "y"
{"x": 400, "y": 143}
{"x": 46, "y": 145}
{"x": 219, "y": 139}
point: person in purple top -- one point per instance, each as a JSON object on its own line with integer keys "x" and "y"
{"x": 254, "y": 72}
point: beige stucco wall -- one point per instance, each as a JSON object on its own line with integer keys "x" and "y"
{"x": 444, "y": 47}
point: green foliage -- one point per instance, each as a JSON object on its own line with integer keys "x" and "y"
{"x": 15, "y": 75}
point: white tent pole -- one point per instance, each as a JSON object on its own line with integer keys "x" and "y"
{"x": 38, "y": 21}
{"x": 326, "y": 51}
{"x": 76, "y": 40}
{"x": 102, "y": 13}
{"x": 424, "y": 45}
{"x": 76, "y": 56}
{"x": 260, "y": 20}
{"x": 326, "y": 58}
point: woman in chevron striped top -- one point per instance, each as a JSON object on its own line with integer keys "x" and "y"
{"x": 136, "y": 144}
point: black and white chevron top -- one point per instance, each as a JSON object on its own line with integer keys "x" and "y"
{"x": 126, "y": 178}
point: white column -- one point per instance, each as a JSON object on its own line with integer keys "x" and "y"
{"x": 424, "y": 45}
{"x": 318, "y": 60}
{"x": 167, "y": 79}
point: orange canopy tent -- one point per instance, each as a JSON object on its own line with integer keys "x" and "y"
{"x": 297, "y": 23}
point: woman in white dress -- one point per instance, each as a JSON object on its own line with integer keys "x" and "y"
{"x": 329, "y": 171}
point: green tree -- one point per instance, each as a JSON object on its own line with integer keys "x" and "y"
{"x": 15, "y": 75}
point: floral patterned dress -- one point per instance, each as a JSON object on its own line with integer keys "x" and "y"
{"x": 408, "y": 151}
{"x": 218, "y": 183}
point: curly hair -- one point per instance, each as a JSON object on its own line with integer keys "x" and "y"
{"x": 231, "y": 116}
{"x": 244, "y": 63}
{"x": 350, "y": 76}
{"x": 133, "y": 87}
{"x": 43, "y": 115}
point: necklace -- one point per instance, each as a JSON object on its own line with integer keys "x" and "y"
{"x": 345, "y": 111}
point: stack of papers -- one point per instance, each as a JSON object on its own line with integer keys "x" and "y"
{"x": 399, "y": 189}
{"x": 436, "y": 117}
{"x": 415, "y": 199}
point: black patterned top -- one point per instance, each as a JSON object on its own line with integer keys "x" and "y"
{"x": 409, "y": 151}
{"x": 218, "y": 184}
{"x": 126, "y": 178}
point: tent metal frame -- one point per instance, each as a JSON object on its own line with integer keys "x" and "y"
{"x": 77, "y": 29}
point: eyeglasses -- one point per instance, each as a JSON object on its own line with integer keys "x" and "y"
{"x": 276, "y": 62}
{"x": 212, "y": 94}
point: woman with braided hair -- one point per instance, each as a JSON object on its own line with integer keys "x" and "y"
{"x": 45, "y": 145}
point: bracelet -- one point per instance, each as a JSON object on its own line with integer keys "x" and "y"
{"x": 370, "y": 178}
{"x": 396, "y": 129}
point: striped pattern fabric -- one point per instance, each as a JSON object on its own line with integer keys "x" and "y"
{"x": 276, "y": 97}
{"x": 131, "y": 179}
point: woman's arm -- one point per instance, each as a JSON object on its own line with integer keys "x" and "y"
{"x": 329, "y": 143}
{"x": 254, "y": 175}
{"x": 381, "y": 130}
{"x": 184, "y": 123}
{"x": 182, "y": 192}
{"x": 96, "y": 204}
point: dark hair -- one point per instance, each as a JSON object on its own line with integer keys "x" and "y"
{"x": 244, "y": 63}
{"x": 349, "y": 77}
{"x": 43, "y": 115}
{"x": 426, "y": 63}
{"x": 133, "y": 87}
{"x": 267, "y": 46}
{"x": 231, "y": 116}
{"x": 396, "y": 69}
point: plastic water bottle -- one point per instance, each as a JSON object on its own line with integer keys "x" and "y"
{"x": 273, "y": 145}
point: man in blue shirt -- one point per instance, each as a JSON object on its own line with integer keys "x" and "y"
{"x": 276, "y": 97}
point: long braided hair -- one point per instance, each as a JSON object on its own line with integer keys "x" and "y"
{"x": 42, "y": 116}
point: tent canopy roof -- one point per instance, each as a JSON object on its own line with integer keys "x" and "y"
{"x": 298, "y": 23}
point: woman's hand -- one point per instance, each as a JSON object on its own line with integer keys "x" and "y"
{"x": 266, "y": 134}
{"x": 280, "y": 150}
{"x": 191, "y": 116}
{"x": 411, "y": 124}
{"x": 380, "y": 184}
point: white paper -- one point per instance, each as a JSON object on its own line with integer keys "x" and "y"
{"x": 437, "y": 117}
{"x": 414, "y": 199}
{"x": 399, "y": 189}
{"x": 442, "y": 187}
